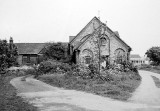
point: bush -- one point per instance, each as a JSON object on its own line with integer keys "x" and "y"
{"x": 52, "y": 66}
{"x": 30, "y": 71}
{"x": 45, "y": 66}
{"x": 34, "y": 72}
{"x": 123, "y": 67}
{"x": 93, "y": 70}
{"x": 128, "y": 66}
{"x": 145, "y": 66}
{"x": 156, "y": 67}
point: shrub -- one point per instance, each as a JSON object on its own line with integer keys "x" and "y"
{"x": 93, "y": 70}
{"x": 128, "y": 66}
{"x": 144, "y": 66}
{"x": 34, "y": 71}
{"x": 157, "y": 67}
{"x": 45, "y": 66}
{"x": 30, "y": 71}
{"x": 52, "y": 66}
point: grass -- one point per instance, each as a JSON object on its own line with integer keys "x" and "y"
{"x": 155, "y": 69}
{"x": 157, "y": 81}
{"x": 119, "y": 87}
{"x": 8, "y": 99}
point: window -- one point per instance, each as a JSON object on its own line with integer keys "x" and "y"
{"x": 88, "y": 60}
{"x": 103, "y": 41}
{"x": 119, "y": 56}
{"x": 26, "y": 59}
{"x": 87, "y": 55}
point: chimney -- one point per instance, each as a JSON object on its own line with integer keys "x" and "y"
{"x": 11, "y": 40}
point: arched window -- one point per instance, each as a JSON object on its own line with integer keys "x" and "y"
{"x": 119, "y": 55}
{"x": 87, "y": 55}
{"x": 103, "y": 41}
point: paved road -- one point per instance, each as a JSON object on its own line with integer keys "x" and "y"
{"x": 49, "y": 98}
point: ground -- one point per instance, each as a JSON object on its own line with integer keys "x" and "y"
{"x": 9, "y": 101}
{"x": 49, "y": 98}
{"x": 147, "y": 92}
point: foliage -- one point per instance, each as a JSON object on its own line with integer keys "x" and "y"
{"x": 93, "y": 68}
{"x": 128, "y": 66}
{"x": 117, "y": 82}
{"x": 155, "y": 69}
{"x": 145, "y": 66}
{"x": 34, "y": 72}
{"x": 116, "y": 86}
{"x": 124, "y": 67}
{"x": 52, "y": 66}
{"x": 8, "y": 55}
{"x": 154, "y": 55}
{"x": 85, "y": 72}
{"x": 57, "y": 51}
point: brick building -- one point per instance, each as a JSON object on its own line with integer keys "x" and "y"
{"x": 97, "y": 42}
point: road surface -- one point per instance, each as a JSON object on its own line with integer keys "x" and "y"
{"x": 49, "y": 98}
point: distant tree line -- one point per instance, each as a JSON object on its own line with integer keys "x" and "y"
{"x": 8, "y": 54}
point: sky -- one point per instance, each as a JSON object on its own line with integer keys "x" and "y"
{"x": 137, "y": 21}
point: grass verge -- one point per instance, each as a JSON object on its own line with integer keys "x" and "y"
{"x": 154, "y": 69}
{"x": 120, "y": 87}
{"x": 8, "y": 99}
{"x": 157, "y": 81}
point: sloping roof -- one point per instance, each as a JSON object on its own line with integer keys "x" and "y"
{"x": 117, "y": 35}
{"x": 87, "y": 36}
{"x": 29, "y": 48}
{"x": 94, "y": 18}
{"x": 135, "y": 56}
{"x": 78, "y": 44}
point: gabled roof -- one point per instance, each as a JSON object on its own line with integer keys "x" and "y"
{"x": 118, "y": 37}
{"x": 116, "y": 34}
{"x": 29, "y": 48}
{"x": 94, "y": 18}
{"x": 135, "y": 56}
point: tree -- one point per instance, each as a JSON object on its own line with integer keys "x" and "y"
{"x": 8, "y": 54}
{"x": 57, "y": 51}
{"x": 154, "y": 55}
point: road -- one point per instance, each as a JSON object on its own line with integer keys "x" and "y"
{"x": 49, "y": 98}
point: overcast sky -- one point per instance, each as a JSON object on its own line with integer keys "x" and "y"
{"x": 137, "y": 21}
